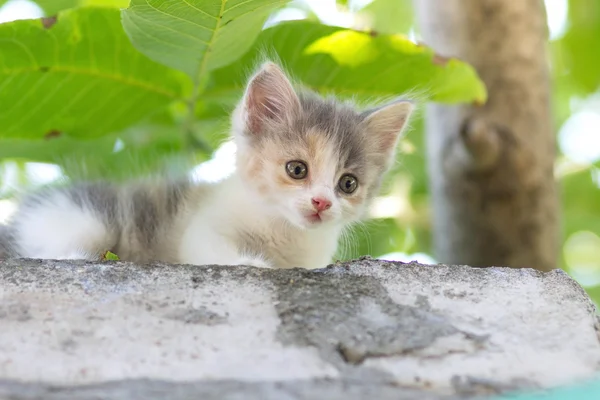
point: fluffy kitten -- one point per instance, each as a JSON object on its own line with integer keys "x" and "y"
{"x": 306, "y": 168}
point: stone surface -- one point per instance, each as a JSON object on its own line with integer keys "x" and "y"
{"x": 367, "y": 329}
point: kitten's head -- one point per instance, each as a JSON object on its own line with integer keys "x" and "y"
{"x": 310, "y": 160}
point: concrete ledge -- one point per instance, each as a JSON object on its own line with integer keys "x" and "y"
{"x": 366, "y": 329}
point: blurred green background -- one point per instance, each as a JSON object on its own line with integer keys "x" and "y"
{"x": 172, "y": 139}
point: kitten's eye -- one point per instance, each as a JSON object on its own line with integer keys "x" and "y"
{"x": 296, "y": 169}
{"x": 348, "y": 183}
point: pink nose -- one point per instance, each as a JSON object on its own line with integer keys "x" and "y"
{"x": 320, "y": 203}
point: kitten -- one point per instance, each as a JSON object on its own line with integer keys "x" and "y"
{"x": 307, "y": 167}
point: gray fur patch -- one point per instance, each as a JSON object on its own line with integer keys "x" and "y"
{"x": 101, "y": 197}
{"x": 175, "y": 195}
{"x": 339, "y": 123}
{"x": 151, "y": 209}
{"x": 5, "y": 242}
{"x": 145, "y": 216}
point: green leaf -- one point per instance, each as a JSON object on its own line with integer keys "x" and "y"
{"x": 580, "y": 203}
{"x": 212, "y": 124}
{"x": 574, "y": 66}
{"x": 144, "y": 149}
{"x": 196, "y": 36}
{"x": 156, "y": 146}
{"x": 351, "y": 63}
{"x": 576, "y": 59}
{"x": 51, "y": 7}
{"x": 81, "y": 77}
{"x": 390, "y": 16}
{"x": 52, "y": 151}
{"x": 108, "y": 256}
{"x": 106, "y": 3}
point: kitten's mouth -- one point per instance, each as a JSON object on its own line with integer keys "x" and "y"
{"x": 314, "y": 218}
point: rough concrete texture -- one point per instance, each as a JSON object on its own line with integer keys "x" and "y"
{"x": 367, "y": 329}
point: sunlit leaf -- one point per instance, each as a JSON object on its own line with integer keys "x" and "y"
{"x": 351, "y": 63}
{"x": 81, "y": 77}
{"x": 196, "y": 36}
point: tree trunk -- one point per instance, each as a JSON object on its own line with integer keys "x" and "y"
{"x": 493, "y": 191}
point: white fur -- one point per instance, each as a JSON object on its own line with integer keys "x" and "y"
{"x": 211, "y": 233}
{"x": 59, "y": 229}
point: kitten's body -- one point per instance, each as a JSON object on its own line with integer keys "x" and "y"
{"x": 166, "y": 221}
{"x": 306, "y": 168}
{"x": 232, "y": 226}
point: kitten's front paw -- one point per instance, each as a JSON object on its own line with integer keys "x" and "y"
{"x": 254, "y": 261}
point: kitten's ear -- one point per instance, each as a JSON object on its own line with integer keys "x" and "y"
{"x": 269, "y": 96}
{"x": 385, "y": 124}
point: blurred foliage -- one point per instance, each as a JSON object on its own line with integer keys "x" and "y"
{"x": 576, "y": 82}
{"x": 159, "y": 78}
{"x": 110, "y": 93}
{"x": 51, "y": 7}
{"x": 389, "y": 16}
{"x": 576, "y": 58}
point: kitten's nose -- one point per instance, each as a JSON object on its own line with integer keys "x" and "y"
{"x": 320, "y": 203}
